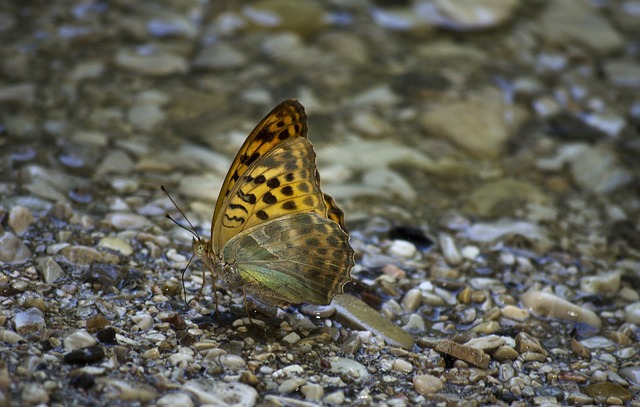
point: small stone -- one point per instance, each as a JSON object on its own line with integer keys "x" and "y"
{"x": 146, "y": 117}
{"x": 336, "y": 398}
{"x": 220, "y": 55}
{"x": 527, "y": 343}
{"x": 369, "y": 124}
{"x": 605, "y": 284}
{"x": 349, "y": 367}
{"x": 602, "y": 391}
{"x": 115, "y": 162}
{"x": 505, "y": 352}
{"x": 20, "y": 218}
{"x": 175, "y": 399}
{"x": 632, "y": 313}
{"x": 468, "y": 354}
{"x": 427, "y": 384}
{"x": 232, "y": 362}
{"x": 598, "y": 342}
{"x": 159, "y": 64}
{"x": 580, "y": 350}
{"x": 49, "y": 269}
{"x": 291, "y": 338}
{"x": 84, "y": 356}
{"x": 312, "y": 391}
{"x": 116, "y": 244}
{"x": 12, "y": 249}
{"x": 402, "y": 366}
{"x": 450, "y": 250}
{"x": 78, "y": 340}
{"x": 127, "y": 221}
{"x": 34, "y": 394}
{"x": 411, "y": 300}
{"x": 10, "y": 337}
{"x": 632, "y": 374}
{"x": 415, "y": 324}
{"x": 551, "y": 306}
{"x": 84, "y": 256}
{"x": 219, "y": 393}
{"x": 143, "y": 321}
{"x": 29, "y": 321}
{"x": 487, "y": 327}
{"x": 515, "y": 313}
{"x": 486, "y": 343}
{"x": 291, "y": 385}
{"x": 358, "y": 313}
{"x": 128, "y": 391}
{"x": 402, "y": 248}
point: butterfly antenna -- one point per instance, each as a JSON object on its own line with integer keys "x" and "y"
{"x": 193, "y": 230}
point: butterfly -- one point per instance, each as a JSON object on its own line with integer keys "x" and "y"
{"x": 274, "y": 233}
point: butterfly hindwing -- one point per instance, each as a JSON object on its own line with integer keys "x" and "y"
{"x": 293, "y": 259}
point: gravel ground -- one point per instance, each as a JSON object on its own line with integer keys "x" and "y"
{"x": 485, "y": 154}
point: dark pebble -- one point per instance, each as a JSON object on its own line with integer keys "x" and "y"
{"x": 413, "y": 235}
{"x": 84, "y": 356}
{"x": 82, "y": 381}
{"x": 546, "y": 391}
{"x": 107, "y": 336}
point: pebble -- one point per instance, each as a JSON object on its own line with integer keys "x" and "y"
{"x": 10, "y": 337}
{"x": 336, "y": 398}
{"x": 12, "y": 249}
{"x": 411, "y": 300}
{"x": 49, "y": 269}
{"x": 34, "y": 394}
{"x": 143, "y": 321}
{"x": 632, "y": 313}
{"x": 515, "y": 313}
{"x": 84, "y": 356}
{"x": 20, "y": 218}
{"x": 402, "y": 366}
{"x": 146, "y": 117}
{"x": 573, "y": 22}
{"x": 468, "y": 354}
{"x": 601, "y": 392}
{"x": 527, "y": 343}
{"x": 312, "y": 391}
{"x": 291, "y": 385}
{"x": 175, "y": 399}
{"x": 427, "y": 384}
{"x": 403, "y": 249}
{"x": 462, "y": 15}
{"x": 632, "y": 374}
{"x": 364, "y": 317}
{"x": 159, "y": 64}
{"x": 606, "y": 284}
{"x": 84, "y": 256}
{"x": 449, "y": 250}
{"x": 491, "y": 200}
{"x": 551, "y": 306}
{"x": 29, "y": 321}
{"x": 233, "y": 362}
{"x": 486, "y": 343}
{"x": 220, "y": 55}
{"x": 349, "y": 367}
{"x": 219, "y": 393}
{"x": 116, "y": 244}
{"x": 291, "y": 338}
{"x": 505, "y": 352}
{"x": 476, "y": 125}
{"x": 127, "y": 221}
{"x": 78, "y": 340}
{"x": 127, "y": 391}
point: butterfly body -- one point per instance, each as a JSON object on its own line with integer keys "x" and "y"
{"x": 274, "y": 233}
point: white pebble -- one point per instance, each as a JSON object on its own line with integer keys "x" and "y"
{"x": 402, "y": 248}
{"x": 78, "y": 340}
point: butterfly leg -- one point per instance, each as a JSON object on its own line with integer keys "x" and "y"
{"x": 246, "y": 306}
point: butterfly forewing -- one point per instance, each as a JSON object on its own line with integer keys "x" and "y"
{"x": 293, "y": 259}
{"x": 286, "y": 121}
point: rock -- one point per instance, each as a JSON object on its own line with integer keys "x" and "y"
{"x": 127, "y": 221}
{"x": 602, "y": 391}
{"x": 84, "y": 256}
{"x": 219, "y": 393}
{"x": 349, "y": 367}
{"x": 632, "y": 374}
{"x": 78, "y": 340}
{"x": 34, "y": 394}
{"x": 29, "y": 321}
{"x": 159, "y": 64}
{"x": 578, "y": 22}
{"x": 632, "y": 313}
{"x": 625, "y": 74}
{"x": 127, "y": 391}
{"x": 116, "y": 244}
{"x": 503, "y": 197}
{"x": 552, "y": 306}
{"x": 22, "y": 94}
{"x": 84, "y": 356}
{"x": 461, "y": 15}
{"x": 358, "y": 313}
{"x": 49, "y": 269}
{"x": 427, "y": 384}
{"x": 146, "y": 117}
{"x": 486, "y": 343}
{"x": 605, "y": 284}
{"x": 597, "y": 169}
{"x": 12, "y": 250}
{"x": 303, "y": 18}
{"x": 175, "y": 399}
{"x": 20, "y": 218}
{"x": 312, "y": 391}
{"x": 220, "y": 55}
{"x": 115, "y": 162}
{"x": 527, "y": 343}
{"x": 477, "y": 125}
{"x": 468, "y": 354}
